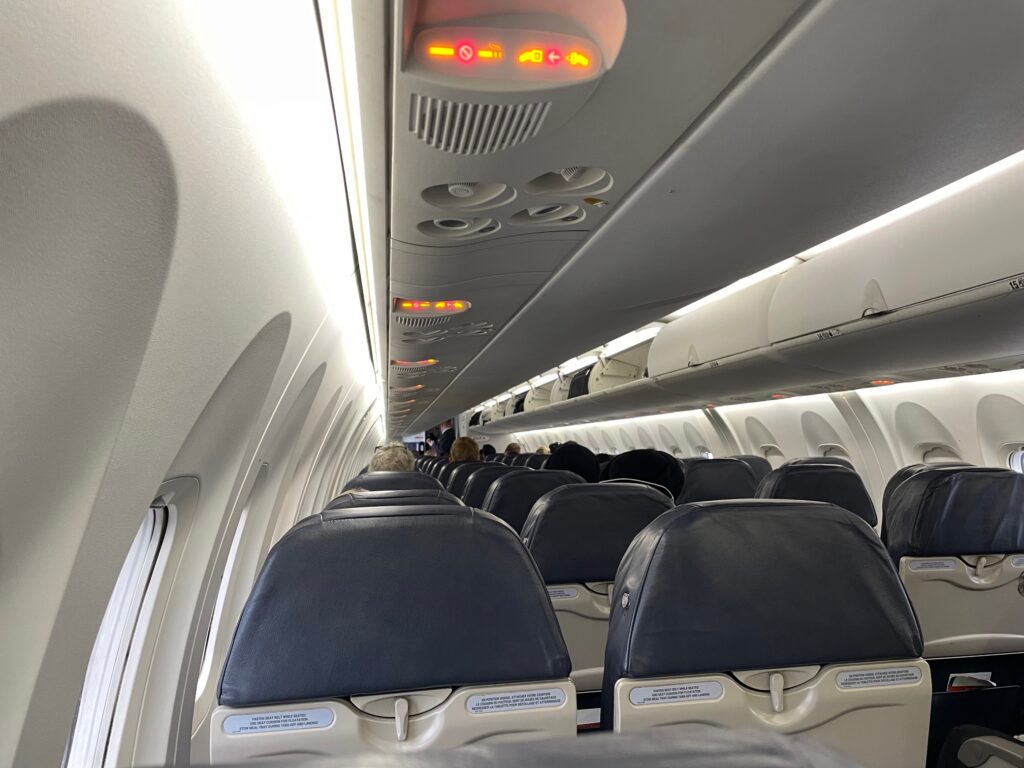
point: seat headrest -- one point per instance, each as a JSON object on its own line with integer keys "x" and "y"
{"x": 578, "y": 533}
{"x": 759, "y": 465}
{"x": 758, "y": 584}
{"x": 903, "y": 474}
{"x": 575, "y": 458}
{"x": 716, "y": 479}
{"x": 355, "y": 602}
{"x": 480, "y": 481}
{"x": 353, "y": 499}
{"x": 393, "y": 481}
{"x": 460, "y": 475}
{"x": 650, "y": 465}
{"x": 829, "y": 483}
{"x": 957, "y": 511}
{"x": 513, "y": 495}
{"x": 838, "y": 461}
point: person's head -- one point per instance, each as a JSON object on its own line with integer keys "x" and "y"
{"x": 392, "y": 458}
{"x": 487, "y": 450}
{"x": 554, "y": 447}
{"x": 543, "y": 451}
{"x": 513, "y": 449}
{"x": 465, "y": 449}
{"x": 576, "y": 458}
{"x": 649, "y": 465}
{"x": 446, "y": 425}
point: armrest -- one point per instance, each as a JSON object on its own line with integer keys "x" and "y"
{"x": 991, "y": 752}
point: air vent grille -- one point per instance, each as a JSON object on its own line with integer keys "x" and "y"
{"x": 417, "y": 321}
{"x": 474, "y": 129}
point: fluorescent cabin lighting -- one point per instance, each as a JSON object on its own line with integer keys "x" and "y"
{"x": 544, "y": 378}
{"x": 576, "y": 364}
{"x": 630, "y": 340}
{"x": 739, "y": 285}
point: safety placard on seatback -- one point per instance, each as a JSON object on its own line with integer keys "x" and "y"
{"x": 678, "y": 692}
{"x": 933, "y": 565}
{"x": 510, "y": 701}
{"x": 877, "y": 678}
{"x": 288, "y": 720}
{"x": 562, "y": 593}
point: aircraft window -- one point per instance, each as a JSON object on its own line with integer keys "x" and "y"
{"x": 835, "y": 450}
{"x": 939, "y": 454}
{"x": 225, "y": 582}
{"x": 103, "y": 676}
{"x": 1016, "y": 460}
{"x": 704, "y": 453}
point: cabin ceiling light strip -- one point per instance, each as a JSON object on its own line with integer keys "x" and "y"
{"x": 739, "y": 285}
{"x": 916, "y": 206}
{"x": 576, "y": 364}
{"x": 630, "y": 340}
{"x": 544, "y": 378}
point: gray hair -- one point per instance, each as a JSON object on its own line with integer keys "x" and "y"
{"x": 392, "y": 458}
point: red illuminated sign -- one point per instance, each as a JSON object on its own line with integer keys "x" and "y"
{"x": 531, "y": 55}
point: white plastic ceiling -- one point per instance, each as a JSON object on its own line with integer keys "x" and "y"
{"x": 784, "y": 131}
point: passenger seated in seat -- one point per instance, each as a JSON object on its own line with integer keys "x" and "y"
{"x": 487, "y": 450}
{"x": 650, "y": 466}
{"x": 465, "y": 449}
{"x": 392, "y": 458}
{"x": 543, "y": 451}
{"x": 576, "y": 458}
{"x": 512, "y": 449}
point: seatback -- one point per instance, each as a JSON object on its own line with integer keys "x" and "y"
{"x": 838, "y": 461}
{"x": 537, "y": 460}
{"x": 353, "y": 499}
{"x": 717, "y": 479}
{"x": 957, "y": 537}
{"x": 513, "y": 495}
{"x": 480, "y": 482}
{"x": 775, "y": 615}
{"x": 650, "y": 466}
{"x": 460, "y": 476}
{"x": 519, "y": 460}
{"x": 445, "y": 473}
{"x": 577, "y": 535}
{"x": 759, "y": 465}
{"x": 829, "y": 483}
{"x": 393, "y": 481}
{"x": 356, "y": 638}
{"x": 435, "y": 468}
{"x": 903, "y": 474}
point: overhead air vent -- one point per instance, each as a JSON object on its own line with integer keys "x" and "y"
{"x": 440, "y": 334}
{"x": 469, "y": 195}
{"x": 463, "y": 128}
{"x": 571, "y": 180}
{"x": 451, "y": 228}
{"x": 553, "y": 214}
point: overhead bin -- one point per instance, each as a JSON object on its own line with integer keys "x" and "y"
{"x": 962, "y": 240}
{"x": 727, "y": 326}
{"x": 618, "y": 369}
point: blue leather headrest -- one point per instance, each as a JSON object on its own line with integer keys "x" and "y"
{"x": 352, "y": 499}
{"x": 829, "y": 483}
{"x": 578, "y": 533}
{"x": 903, "y": 474}
{"x": 480, "y": 482}
{"x": 513, "y": 495}
{"x": 759, "y": 584}
{"x": 717, "y": 479}
{"x": 393, "y": 599}
{"x": 393, "y": 481}
{"x": 759, "y": 465}
{"x": 838, "y": 461}
{"x": 958, "y": 511}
